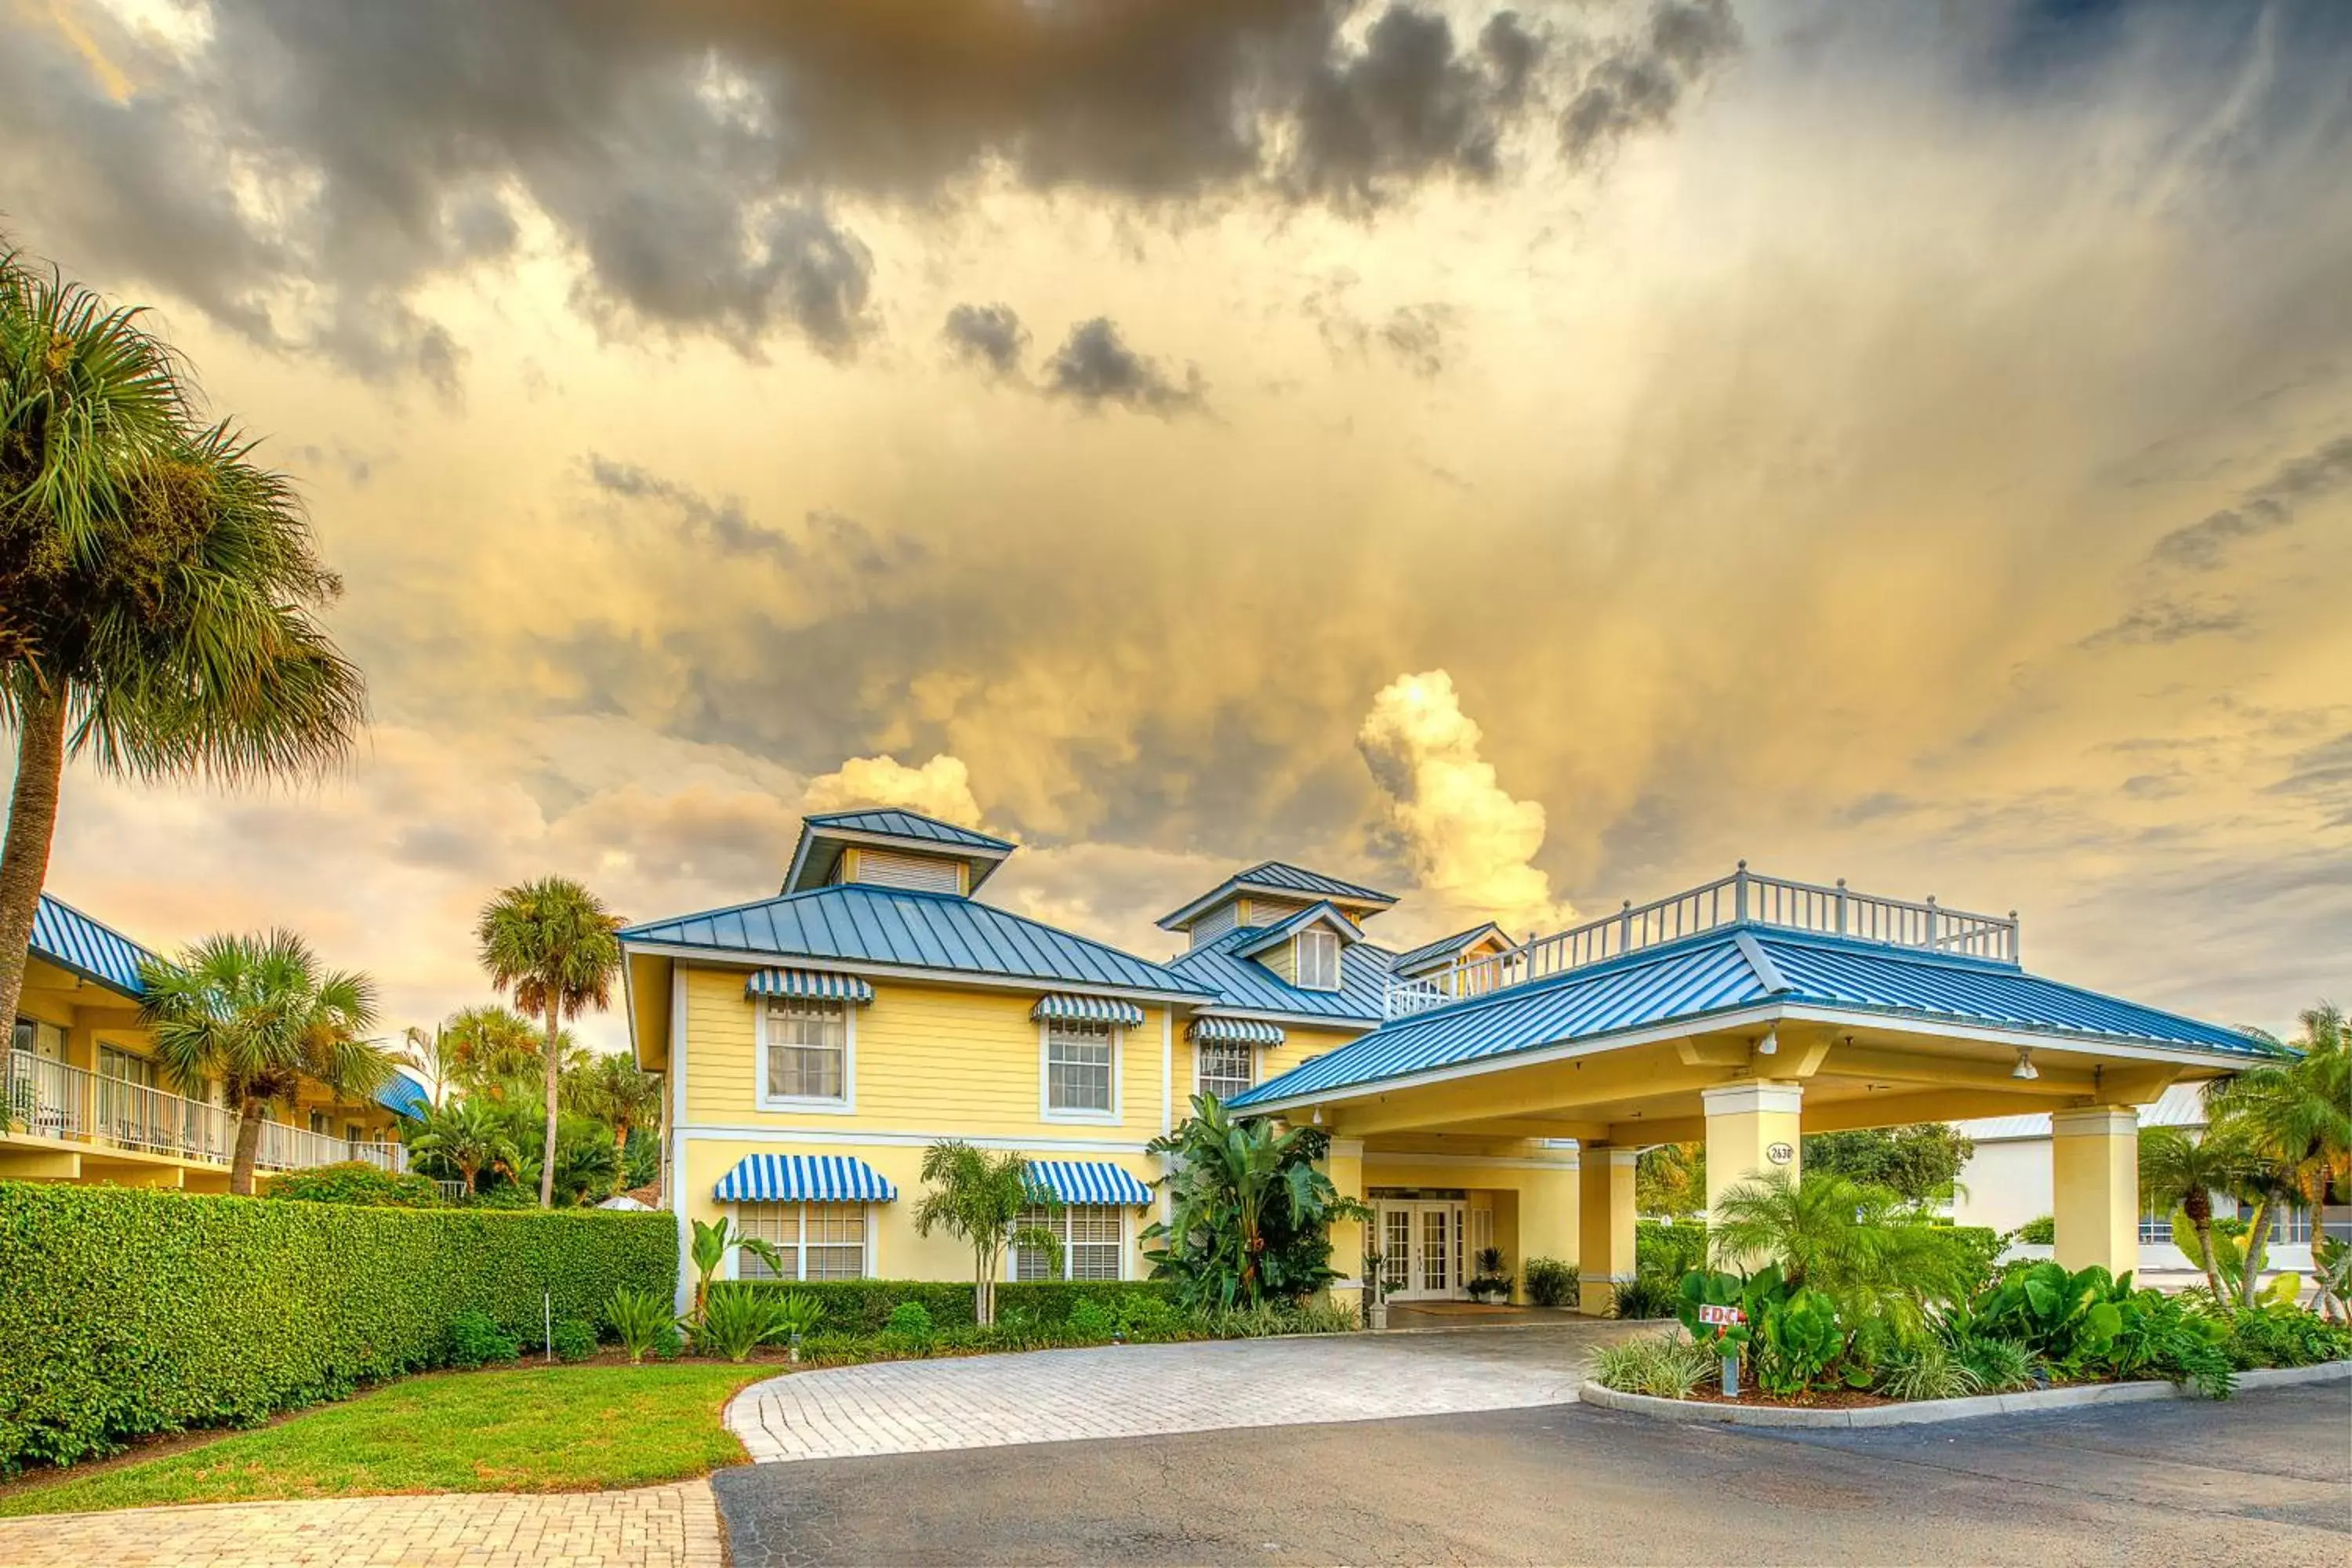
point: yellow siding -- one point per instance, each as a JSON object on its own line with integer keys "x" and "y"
{"x": 1282, "y": 960}
{"x": 959, "y": 1061}
{"x": 1300, "y": 1042}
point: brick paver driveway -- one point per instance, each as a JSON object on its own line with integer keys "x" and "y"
{"x": 654, "y": 1527}
{"x": 1132, "y": 1391}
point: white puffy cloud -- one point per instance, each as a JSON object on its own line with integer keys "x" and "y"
{"x": 1470, "y": 844}
{"x": 940, "y": 787}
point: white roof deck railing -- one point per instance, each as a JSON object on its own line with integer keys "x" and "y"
{"x": 1743, "y": 898}
{"x": 50, "y": 1099}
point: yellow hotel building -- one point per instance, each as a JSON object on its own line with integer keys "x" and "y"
{"x": 1477, "y": 1090}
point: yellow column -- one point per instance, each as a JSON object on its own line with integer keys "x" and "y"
{"x": 1344, "y": 1164}
{"x": 2095, "y": 1179}
{"x": 1751, "y": 1128}
{"x": 1550, "y": 1210}
{"x": 1605, "y": 1218}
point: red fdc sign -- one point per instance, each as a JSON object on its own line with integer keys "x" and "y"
{"x": 1724, "y": 1317}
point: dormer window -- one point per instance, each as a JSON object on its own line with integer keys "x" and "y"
{"x": 887, "y": 869}
{"x": 1319, "y": 961}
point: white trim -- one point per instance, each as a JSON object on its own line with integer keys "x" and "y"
{"x": 1037, "y": 984}
{"x": 2215, "y": 1060}
{"x": 1045, "y": 1112}
{"x": 2095, "y": 1121}
{"x": 675, "y": 1196}
{"x": 1475, "y": 1162}
{"x": 1166, "y": 1069}
{"x": 796, "y": 1104}
{"x": 1239, "y": 889}
{"x": 1757, "y": 1097}
{"x": 1298, "y": 958}
{"x": 723, "y": 1133}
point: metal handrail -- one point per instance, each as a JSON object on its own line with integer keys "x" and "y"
{"x": 52, "y": 1099}
{"x": 1743, "y": 898}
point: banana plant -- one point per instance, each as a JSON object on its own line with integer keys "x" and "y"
{"x": 712, "y": 1241}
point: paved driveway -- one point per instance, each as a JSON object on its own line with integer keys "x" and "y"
{"x": 1130, "y": 1391}
{"x": 2265, "y": 1479}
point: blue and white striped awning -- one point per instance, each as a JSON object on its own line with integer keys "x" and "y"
{"x": 1234, "y": 1032}
{"x": 810, "y": 985}
{"x": 804, "y": 1179}
{"x": 1088, "y": 1010}
{"x": 1092, "y": 1181}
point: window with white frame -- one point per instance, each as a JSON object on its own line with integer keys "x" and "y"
{"x": 1080, "y": 1078}
{"x": 1319, "y": 961}
{"x": 807, "y": 1048}
{"x": 2155, "y": 1223}
{"x": 1224, "y": 1068}
{"x": 2290, "y": 1226}
{"x": 1093, "y": 1238}
{"x": 816, "y": 1241}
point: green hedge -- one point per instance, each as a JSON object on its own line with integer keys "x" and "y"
{"x": 1669, "y": 1247}
{"x": 863, "y": 1306}
{"x": 124, "y": 1313}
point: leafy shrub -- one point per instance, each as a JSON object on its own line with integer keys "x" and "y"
{"x": 1664, "y": 1366}
{"x": 1999, "y": 1365}
{"x": 1092, "y": 1320}
{"x": 798, "y": 1313}
{"x": 1671, "y": 1250}
{"x": 160, "y": 1311}
{"x": 574, "y": 1338}
{"x": 355, "y": 1181}
{"x": 476, "y": 1340}
{"x": 735, "y": 1321}
{"x": 1550, "y": 1282}
{"x": 641, "y": 1319}
{"x": 1927, "y": 1368}
{"x": 2284, "y": 1336}
{"x": 860, "y": 1308}
{"x": 1147, "y": 1318}
{"x": 2042, "y": 1232}
{"x": 512, "y": 1196}
{"x": 1644, "y": 1296}
{"x": 911, "y": 1318}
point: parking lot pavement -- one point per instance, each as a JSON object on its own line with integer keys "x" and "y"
{"x": 2265, "y": 1479}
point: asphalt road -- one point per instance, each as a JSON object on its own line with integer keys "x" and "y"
{"x": 2265, "y": 1479}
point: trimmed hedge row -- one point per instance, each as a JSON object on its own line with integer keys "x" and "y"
{"x": 124, "y": 1313}
{"x": 864, "y": 1306}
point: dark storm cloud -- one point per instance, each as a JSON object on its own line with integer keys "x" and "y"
{"x": 2162, "y": 621}
{"x": 1634, "y": 85}
{"x": 2203, "y": 545}
{"x": 1095, "y": 366}
{"x": 830, "y": 548}
{"x": 690, "y": 152}
{"x": 989, "y": 336}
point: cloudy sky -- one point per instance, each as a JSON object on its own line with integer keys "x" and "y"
{"x": 1528, "y": 459}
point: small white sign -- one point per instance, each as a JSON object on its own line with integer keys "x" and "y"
{"x": 1780, "y": 1153}
{"x": 1722, "y": 1317}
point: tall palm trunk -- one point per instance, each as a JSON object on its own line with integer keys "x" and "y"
{"x": 547, "y": 1146}
{"x": 248, "y": 1144}
{"x": 2258, "y": 1247}
{"x": 2199, "y": 1206}
{"x": 32, "y": 822}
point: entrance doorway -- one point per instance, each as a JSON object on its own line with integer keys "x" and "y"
{"x": 1421, "y": 1246}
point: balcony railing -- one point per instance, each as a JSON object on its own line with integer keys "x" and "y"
{"x": 1743, "y": 898}
{"x": 52, "y": 1099}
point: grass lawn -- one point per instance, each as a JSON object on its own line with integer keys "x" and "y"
{"x": 521, "y": 1429}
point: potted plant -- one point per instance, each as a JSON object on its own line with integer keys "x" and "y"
{"x": 1376, "y": 1307}
{"x": 1490, "y": 1283}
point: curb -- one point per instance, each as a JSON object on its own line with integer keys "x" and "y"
{"x": 1926, "y": 1411}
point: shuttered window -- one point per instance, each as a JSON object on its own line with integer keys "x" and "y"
{"x": 922, "y": 873}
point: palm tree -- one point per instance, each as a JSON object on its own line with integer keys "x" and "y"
{"x": 466, "y": 1136}
{"x": 2177, "y": 1171}
{"x": 158, "y": 589}
{"x": 257, "y": 1013}
{"x": 622, "y": 1095}
{"x": 554, "y": 945}
{"x": 491, "y": 1047}
{"x": 421, "y": 1052}
{"x": 2296, "y": 1112}
{"x": 1858, "y": 1243}
{"x": 978, "y": 1197}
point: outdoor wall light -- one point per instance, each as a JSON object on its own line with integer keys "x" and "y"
{"x": 1318, "y": 1116}
{"x": 1770, "y": 1044}
{"x": 2025, "y": 1067}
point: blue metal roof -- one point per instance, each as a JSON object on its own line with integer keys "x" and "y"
{"x": 1447, "y": 946}
{"x": 856, "y": 923}
{"x": 71, "y": 940}
{"x": 1710, "y": 973}
{"x": 1317, "y": 913}
{"x": 1280, "y": 877}
{"x": 900, "y": 823}
{"x": 1244, "y": 986}
{"x": 402, "y": 1096}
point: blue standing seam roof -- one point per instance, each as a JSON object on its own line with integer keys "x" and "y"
{"x": 809, "y": 985}
{"x": 1090, "y": 1181}
{"x": 1299, "y": 880}
{"x": 1446, "y": 946}
{"x": 1710, "y": 973}
{"x": 1317, "y": 913}
{"x": 861, "y": 922}
{"x": 898, "y": 824}
{"x": 402, "y": 1096}
{"x": 71, "y": 940}
{"x": 804, "y": 1179}
{"x": 1244, "y": 983}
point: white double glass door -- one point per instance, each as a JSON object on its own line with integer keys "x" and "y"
{"x": 1421, "y": 1248}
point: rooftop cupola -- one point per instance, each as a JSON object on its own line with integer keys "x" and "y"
{"x": 1295, "y": 923}
{"x": 890, "y": 847}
